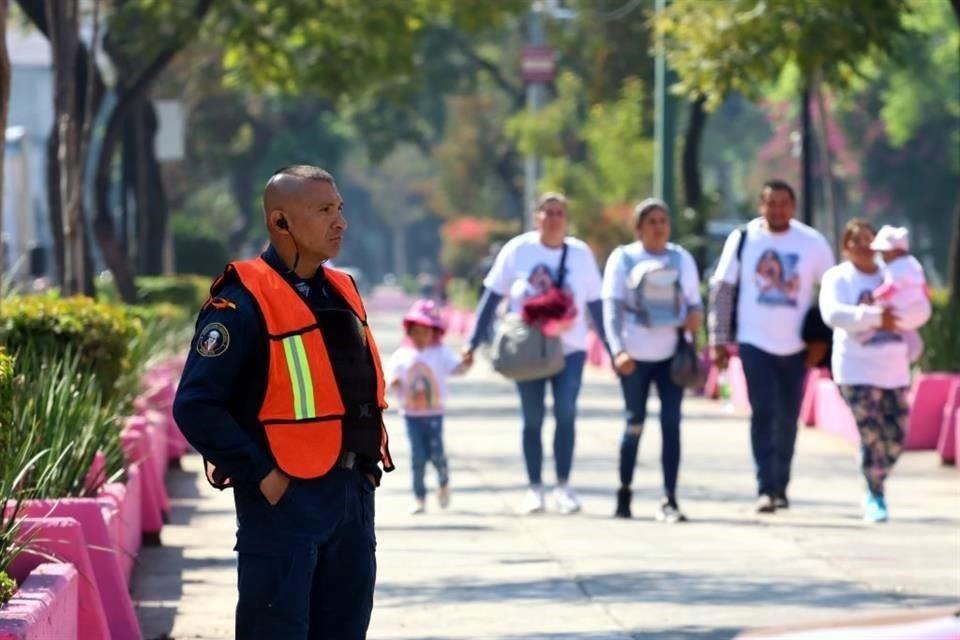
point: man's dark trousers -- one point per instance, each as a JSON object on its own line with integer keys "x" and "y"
{"x": 775, "y": 387}
{"x": 307, "y": 566}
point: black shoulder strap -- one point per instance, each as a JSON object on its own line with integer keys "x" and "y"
{"x": 742, "y": 241}
{"x": 562, "y": 274}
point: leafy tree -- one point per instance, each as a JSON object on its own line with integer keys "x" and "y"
{"x": 617, "y": 156}
{"x": 723, "y": 46}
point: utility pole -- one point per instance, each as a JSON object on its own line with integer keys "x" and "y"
{"x": 665, "y": 123}
{"x": 536, "y": 74}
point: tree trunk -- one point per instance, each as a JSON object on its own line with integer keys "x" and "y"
{"x": 826, "y": 157}
{"x": 4, "y": 105}
{"x": 692, "y": 178}
{"x": 154, "y": 204}
{"x": 954, "y": 280}
{"x": 129, "y": 99}
{"x": 88, "y": 88}
{"x": 63, "y": 24}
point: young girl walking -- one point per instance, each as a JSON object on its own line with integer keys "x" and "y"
{"x": 417, "y": 373}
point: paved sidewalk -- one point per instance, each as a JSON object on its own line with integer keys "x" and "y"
{"x": 480, "y": 570}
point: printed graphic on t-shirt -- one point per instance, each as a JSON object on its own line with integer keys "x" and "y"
{"x": 876, "y": 336}
{"x": 654, "y": 293}
{"x": 778, "y": 283}
{"x": 540, "y": 280}
{"x": 422, "y": 391}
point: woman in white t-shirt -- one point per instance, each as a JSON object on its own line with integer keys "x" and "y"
{"x": 873, "y": 373}
{"x": 651, "y": 289}
{"x": 527, "y": 266}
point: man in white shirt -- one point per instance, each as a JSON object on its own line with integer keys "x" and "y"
{"x": 762, "y": 290}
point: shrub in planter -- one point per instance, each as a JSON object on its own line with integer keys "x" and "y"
{"x": 7, "y": 588}
{"x": 187, "y": 291}
{"x": 38, "y": 328}
{"x": 62, "y": 419}
{"x": 6, "y": 389}
{"x": 941, "y": 337}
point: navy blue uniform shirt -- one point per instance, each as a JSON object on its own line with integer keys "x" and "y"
{"x": 225, "y": 378}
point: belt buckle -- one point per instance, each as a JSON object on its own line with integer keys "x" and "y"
{"x": 348, "y": 459}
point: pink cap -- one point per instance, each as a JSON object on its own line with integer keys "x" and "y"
{"x": 890, "y": 238}
{"x": 426, "y": 313}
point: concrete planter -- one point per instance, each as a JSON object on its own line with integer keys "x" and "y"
{"x": 93, "y": 547}
{"x": 832, "y": 413}
{"x": 45, "y": 607}
{"x": 930, "y": 392}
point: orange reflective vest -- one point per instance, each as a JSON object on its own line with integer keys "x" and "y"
{"x": 302, "y": 410}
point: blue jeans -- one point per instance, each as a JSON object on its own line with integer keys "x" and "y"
{"x": 775, "y": 388}
{"x": 307, "y": 565}
{"x": 426, "y": 444}
{"x": 565, "y": 387}
{"x": 636, "y": 390}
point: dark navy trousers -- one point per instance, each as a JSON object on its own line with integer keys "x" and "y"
{"x": 307, "y": 565}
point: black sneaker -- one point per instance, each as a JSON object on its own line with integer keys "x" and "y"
{"x": 780, "y": 501}
{"x": 670, "y": 513}
{"x": 765, "y": 504}
{"x": 624, "y": 495}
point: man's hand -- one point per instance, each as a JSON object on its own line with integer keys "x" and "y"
{"x": 720, "y": 356}
{"x": 888, "y": 321}
{"x": 274, "y": 485}
{"x": 624, "y": 364}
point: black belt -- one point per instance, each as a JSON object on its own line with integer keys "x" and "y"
{"x": 347, "y": 460}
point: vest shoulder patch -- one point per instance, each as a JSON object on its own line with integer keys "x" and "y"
{"x": 213, "y": 341}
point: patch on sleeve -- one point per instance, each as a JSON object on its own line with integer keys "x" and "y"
{"x": 214, "y": 340}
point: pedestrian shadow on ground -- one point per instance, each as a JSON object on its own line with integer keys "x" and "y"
{"x": 648, "y": 587}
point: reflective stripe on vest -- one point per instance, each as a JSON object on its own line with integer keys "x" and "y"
{"x": 302, "y": 409}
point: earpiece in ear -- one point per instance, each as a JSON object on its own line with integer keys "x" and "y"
{"x": 282, "y": 223}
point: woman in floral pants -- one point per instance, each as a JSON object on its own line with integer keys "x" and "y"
{"x": 871, "y": 362}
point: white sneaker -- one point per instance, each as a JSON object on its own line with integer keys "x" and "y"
{"x": 443, "y": 497}
{"x": 566, "y": 499}
{"x": 534, "y": 501}
{"x": 419, "y": 506}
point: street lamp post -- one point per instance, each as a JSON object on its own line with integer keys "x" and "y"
{"x": 665, "y": 123}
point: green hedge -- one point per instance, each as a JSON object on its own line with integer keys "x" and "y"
{"x": 46, "y": 328}
{"x": 941, "y": 337}
{"x": 187, "y": 291}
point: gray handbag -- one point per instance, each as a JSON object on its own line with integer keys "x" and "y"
{"x": 521, "y": 351}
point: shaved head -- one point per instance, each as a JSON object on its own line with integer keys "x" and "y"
{"x": 285, "y": 189}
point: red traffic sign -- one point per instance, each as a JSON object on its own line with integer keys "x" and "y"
{"x": 536, "y": 64}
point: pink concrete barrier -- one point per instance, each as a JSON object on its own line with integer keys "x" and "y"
{"x": 101, "y": 543}
{"x": 63, "y": 538}
{"x": 926, "y": 412}
{"x": 808, "y": 409}
{"x": 711, "y": 388}
{"x": 832, "y": 413}
{"x": 956, "y": 431}
{"x": 128, "y": 497}
{"x": 152, "y": 489}
{"x": 947, "y": 442}
{"x": 738, "y": 384}
{"x": 596, "y": 352}
{"x": 45, "y": 606}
